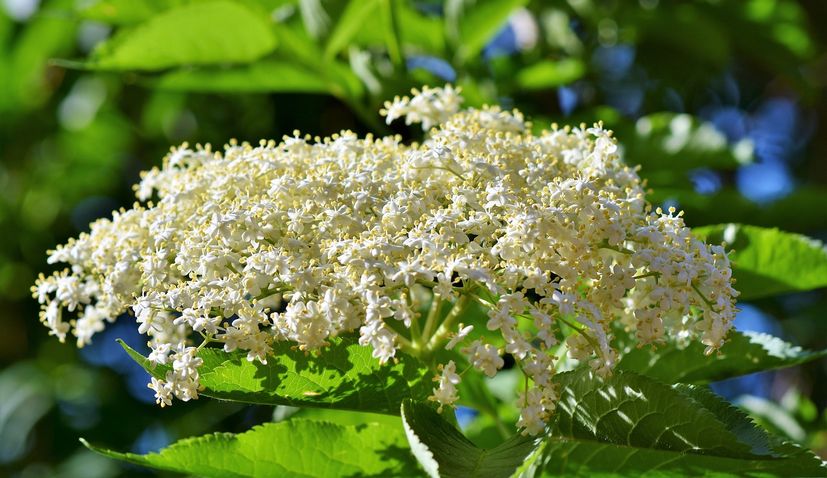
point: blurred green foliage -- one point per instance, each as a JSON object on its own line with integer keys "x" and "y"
{"x": 93, "y": 91}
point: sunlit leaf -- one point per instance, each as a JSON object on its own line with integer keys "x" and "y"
{"x": 630, "y": 425}
{"x": 124, "y": 12}
{"x": 343, "y": 376}
{"x": 260, "y": 77}
{"x": 743, "y": 353}
{"x": 208, "y": 33}
{"x": 768, "y": 262}
{"x": 292, "y": 448}
{"x": 130, "y": 12}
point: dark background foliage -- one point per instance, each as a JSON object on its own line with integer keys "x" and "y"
{"x": 721, "y": 102}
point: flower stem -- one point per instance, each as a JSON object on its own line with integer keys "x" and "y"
{"x": 405, "y": 345}
{"x": 433, "y": 313}
{"x": 622, "y": 250}
{"x": 703, "y": 297}
{"x": 441, "y": 333}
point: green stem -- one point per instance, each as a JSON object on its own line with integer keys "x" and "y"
{"x": 622, "y": 250}
{"x": 701, "y": 294}
{"x": 405, "y": 345}
{"x": 433, "y": 313}
{"x": 269, "y": 292}
{"x": 648, "y": 274}
{"x": 416, "y": 333}
{"x": 580, "y": 331}
{"x": 207, "y": 340}
{"x": 525, "y": 388}
{"x": 441, "y": 333}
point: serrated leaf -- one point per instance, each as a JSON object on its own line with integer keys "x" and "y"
{"x": 636, "y": 411}
{"x": 743, "y": 353}
{"x": 294, "y": 448}
{"x": 479, "y": 22}
{"x": 739, "y": 423}
{"x": 630, "y": 425}
{"x": 343, "y": 376}
{"x": 204, "y": 33}
{"x": 594, "y": 459}
{"x": 768, "y": 262}
{"x": 444, "y": 452}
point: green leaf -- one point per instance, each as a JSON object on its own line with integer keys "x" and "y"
{"x": 630, "y": 425}
{"x": 124, "y": 12}
{"x": 423, "y": 33}
{"x": 130, "y": 12}
{"x": 562, "y": 457}
{"x": 260, "y": 77}
{"x": 444, "y": 452}
{"x": 355, "y": 17}
{"x": 768, "y": 262}
{"x": 348, "y": 417}
{"x": 294, "y": 448}
{"x": 478, "y": 23}
{"x": 418, "y": 32}
{"x": 743, "y": 353}
{"x": 550, "y": 74}
{"x": 636, "y": 411}
{"x": 675, "y": 143}
{"x": 297, "y": 48}
{"x": 737, "y": 422}
{"x": 343, "y": 376}
{"x": 205, "y": 33}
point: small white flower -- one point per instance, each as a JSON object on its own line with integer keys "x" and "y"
{"x": 163, "y": 391}
{"x": 484, "y": 357}
{"x": 459, "y": 336}
{"x": 446, "y": 392}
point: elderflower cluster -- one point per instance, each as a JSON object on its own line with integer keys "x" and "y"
{"x": 307, "y": 239}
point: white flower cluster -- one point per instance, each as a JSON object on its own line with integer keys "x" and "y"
{"x": 310, "y": 238}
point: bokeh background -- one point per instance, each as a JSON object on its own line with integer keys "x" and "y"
{"x": 721, "y": 102}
